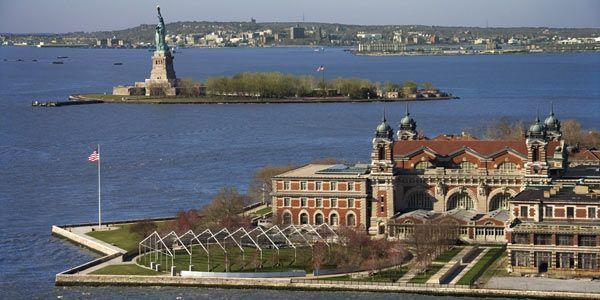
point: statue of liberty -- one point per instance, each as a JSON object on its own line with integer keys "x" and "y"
{"x": 161, "y": 45}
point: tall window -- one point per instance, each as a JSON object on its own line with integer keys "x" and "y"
{"x": 287, "y": 218}
{"x": 351, "y": 202}
{"x": 318, "y": 219}
{"x": 303, "y": 185}
{"x": 319, "y": 202}
{"x": 319, "y": 185}
{"x": 570, "y": 212}
{"x": 499, "y": 201}
{"x": 334, "y": 220}
{"x": 303, "y": 218}
{"x": 287, "y": 202}
{"x": 565, "y": 260}
{"x": 350, "y": 186}
{"x": 286, "y": 185}
{"x": 423, "y": 165}
{"x": 419, "y": 200}
{"x": 467, "y": 166}
{"x": 588, "y": 260}
{"x": 543, "y": 239}
{"x": 520, "y": 258}
{"x": 523, "y": 212}
{"x": 460, "y": 200}
{"x": 549, "y": 212}
{"x": 334, "y": 185}
{"x": 591, "y": 212}
{"x": 535, "y": 154}
{"x": 350, "y": 220}
{"x": 303, "y": 202}
{"x": 334, "y": 202}
{"x": 507, "y": 167}
{"x": 381, "y": 153}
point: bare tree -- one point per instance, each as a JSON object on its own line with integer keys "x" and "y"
{"x": 319, "y": 255}
{"x": 261, "y": 185}
{"x": 143, "y": 228}
{"x": 429, "y": 240}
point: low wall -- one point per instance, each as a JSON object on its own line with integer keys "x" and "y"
{"x": 89, "y": 243}
{"x": 92, "y": 263}
{"x": 197, "y": 274}
{"x": 303, "y": 284}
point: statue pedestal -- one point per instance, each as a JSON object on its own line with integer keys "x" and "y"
{"x": 162, "y": 79}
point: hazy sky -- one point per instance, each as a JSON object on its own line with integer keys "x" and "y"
{"x": 92, "y": 15}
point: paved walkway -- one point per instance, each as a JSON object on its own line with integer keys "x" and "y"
{"x": 449, "y": 265}
{"x": 469, "y": 266}
{"x": 544, "y": 284}
{"x": 82, "y": 230}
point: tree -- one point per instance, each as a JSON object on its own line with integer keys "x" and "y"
{"x": 408, "y": 88}
{"x": 143, "y": 228}
{"x": 225, "y": 210}
{"x": 319, "y": 255}
{"x": 185, "y": 221}
{"x": 430, "y": 239}
{"x": 188, "y": 87}
{"x": 261, "y": 184}
{"x": 427, "y": 86}
{"x": 504, "y": 129}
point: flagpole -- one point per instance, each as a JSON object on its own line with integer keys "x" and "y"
{"x": 323, "y": 79}
{"x": 99, "y": 198}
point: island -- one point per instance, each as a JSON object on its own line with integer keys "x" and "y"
{"x": 164, "y": 87}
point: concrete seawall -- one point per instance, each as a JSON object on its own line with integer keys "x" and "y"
{"x": 87, "y": 242}
{"x": 295, "y": 284}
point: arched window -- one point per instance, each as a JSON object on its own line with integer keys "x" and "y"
{"x": 287, "y": 218}
{"x": 350, "y": 220}
{"x": 467, "y": 166}
{"x": 507, "y": 167}
{"x": 419, "y": 200}
{"x": 499, "y": 201}
{"x": 423, "y": 165}
{"x": 303, "y": 218}
{"x": 381, "y": 154}
{"x": 318, "y": 219}
{"x": 460, "y": 200}
{"x": 334, "y": 220}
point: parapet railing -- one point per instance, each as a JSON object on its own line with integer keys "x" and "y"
{"x": 382, "y": 283}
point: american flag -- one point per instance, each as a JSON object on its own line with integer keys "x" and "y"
{"x": 320, "y": 68}
{"x": 94, "y": 157}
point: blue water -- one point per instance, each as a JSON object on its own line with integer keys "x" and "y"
{"x": 158, "y": 159}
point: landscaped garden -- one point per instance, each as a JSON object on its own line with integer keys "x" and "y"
{"x": 424, "y": 276}
{"x": 478, "y": 269}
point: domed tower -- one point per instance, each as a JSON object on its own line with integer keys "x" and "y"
{"x": 536, "y": 166}
{"x": 552, "y": 125}
{"x": 381, "y": 178}
{"x": 407, "y": 130}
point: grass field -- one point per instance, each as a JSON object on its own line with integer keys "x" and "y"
{"x": 477, "y": 269}
{"x": 423, "y": 277}
{"x": 448, "y": 255}
{"x": 128, "y": 269}
{"x": 264, "y": 210}
{"x": 268, "y": 263}
{"x": 121, "y": 237}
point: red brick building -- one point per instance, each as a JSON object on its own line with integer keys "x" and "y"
{"x": 555, "y": 230}
{"x": 409, "y": 172}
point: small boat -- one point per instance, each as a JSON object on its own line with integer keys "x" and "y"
{"x": 20, "y": 59}
{"x": 34, "y": 60}
{"x": 58, "y": 62}
{"x": 61, "y": 57}
{"x": 117, "y": 63}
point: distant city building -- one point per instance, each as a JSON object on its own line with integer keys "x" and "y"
{"x": 296, "y": 32}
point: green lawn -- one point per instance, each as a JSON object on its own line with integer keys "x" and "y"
{"x": 127, "y": 269}
{"x": 423, "y": 277}
{"x": 263, "y": 211}
{"x": 477, "y": 269}
{"x": 200, "y": 260}
{"x": 448, "y": 255}
{"x": 121, "y": 237}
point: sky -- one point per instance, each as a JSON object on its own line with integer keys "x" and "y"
{"x": 59, "y": 16}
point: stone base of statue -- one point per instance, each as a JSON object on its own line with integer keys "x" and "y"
{"x": 162, "y": 79}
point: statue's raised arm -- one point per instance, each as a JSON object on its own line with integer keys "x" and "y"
{"x": 161, "y": 45}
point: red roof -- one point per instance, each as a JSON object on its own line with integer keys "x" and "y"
{"x": 585, "y": 154}
{"x": 482, "y": 147}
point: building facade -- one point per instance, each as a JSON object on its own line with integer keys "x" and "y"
{"x": 555, "y": 230}
{"x": 409, "y": 172}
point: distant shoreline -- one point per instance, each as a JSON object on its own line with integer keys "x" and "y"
{"x": 108, "y": 98}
